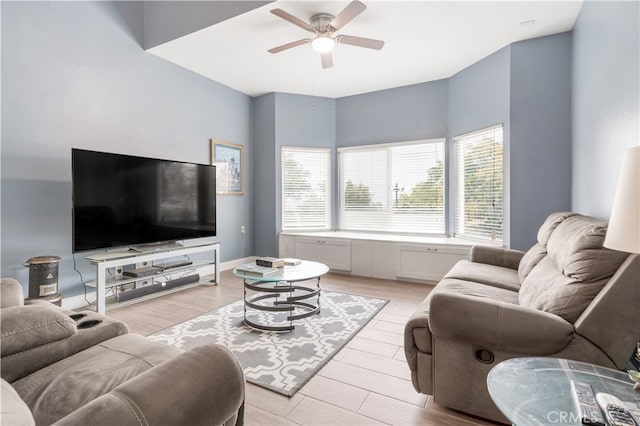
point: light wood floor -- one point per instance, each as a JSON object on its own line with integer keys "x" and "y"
{"x": 368, "y": 382}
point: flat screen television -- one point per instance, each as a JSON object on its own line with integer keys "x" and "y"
{"x": 122, "y": 200}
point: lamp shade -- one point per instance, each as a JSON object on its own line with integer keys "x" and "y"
{"x": 623, "y": 233}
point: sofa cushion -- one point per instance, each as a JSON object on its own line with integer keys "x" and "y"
{"x": 62, "y": 387}
{"x": 492, "y": 275}
{"x": 539, "y": 250}
{"x": 14, "y": 411}
{"x": 550, "y": 224}
{"x": 531, "y": 258}
{"x": 576, "y": 249}
{"x": 468, "y": 288}
{"x": 27, "y": 327}
{"x": 574, "y": 271}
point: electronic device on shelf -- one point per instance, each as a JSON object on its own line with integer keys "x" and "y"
{"x": 586, "y": 404}
{"x": 122, "y": 200}
{"x": 173, "y": 265}
{"x": 617, "y": 414}
{"x": 141, "y": 272}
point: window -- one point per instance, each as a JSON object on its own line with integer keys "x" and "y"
{"x": 478, "y": 185}
{"x": 306, "y": 189}
{"x": 395, "y": 187}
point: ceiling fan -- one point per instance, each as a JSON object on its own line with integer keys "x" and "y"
{"x": 323, "y": 25}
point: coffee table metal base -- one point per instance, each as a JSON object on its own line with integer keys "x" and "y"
{"x": 272, "y": 293}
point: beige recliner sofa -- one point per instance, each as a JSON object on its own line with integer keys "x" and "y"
{"x": 566, "y": 297}
{"x": 66, "y": 368}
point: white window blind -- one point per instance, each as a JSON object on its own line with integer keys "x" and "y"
{"x": 306, "y": 188}
{"x": 395, "y": 187}
{"x": 478, "y": 184}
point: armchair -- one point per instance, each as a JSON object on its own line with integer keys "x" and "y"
{"x": 566, "y": 297}
{"x": 66, "y": 368}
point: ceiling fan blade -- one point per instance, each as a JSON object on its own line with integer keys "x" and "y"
{"x": 289, "y": 45}
{"x": 369, "y": 43}
{"x": 352, "y": 10}
{"x": 327, "y": 59}
{"x": 295, "y": 21}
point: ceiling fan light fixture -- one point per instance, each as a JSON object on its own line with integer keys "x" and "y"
{"x": 323, "y": 43}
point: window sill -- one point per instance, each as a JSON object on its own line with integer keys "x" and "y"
{"x": 395, "y": 238}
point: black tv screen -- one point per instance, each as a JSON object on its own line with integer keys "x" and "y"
{"x": 122, "y": 200}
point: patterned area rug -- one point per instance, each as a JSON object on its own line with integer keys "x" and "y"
{"x": 280, "y": 361}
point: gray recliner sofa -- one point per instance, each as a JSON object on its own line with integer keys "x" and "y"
{"x": 66, "y": 368}
{"x": 567, "y": 297}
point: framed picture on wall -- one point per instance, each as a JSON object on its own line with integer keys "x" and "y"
{"x": 229, "y": 161}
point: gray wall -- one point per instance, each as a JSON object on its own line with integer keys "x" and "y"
{"x": 479, "y": 97}
{"x": 264, "y": 219}
{"x": 74, "y": 75}
{"x": 605, "y": 97}
{"x": 282, "y": 119}
{"x": 405, "y": 113}
{"x": 540, "y": 134}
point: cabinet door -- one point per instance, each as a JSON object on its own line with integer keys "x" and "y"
{"x": 383, "y": 265}
{"x": 427, "y": 262}
{"x": 287, "y": 246}
{"x": 336, "y": 254}
{"x": 362, "y": 259}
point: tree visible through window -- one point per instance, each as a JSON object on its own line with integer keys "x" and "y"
{"x": 478, "y": 185}
{"x": 395, "y": 187}
{"x": 305, "y": 188}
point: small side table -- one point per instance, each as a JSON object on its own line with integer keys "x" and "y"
{"x": 537, "y": 390}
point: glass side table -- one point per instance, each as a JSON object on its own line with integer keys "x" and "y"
{"x": 537, "y": 390}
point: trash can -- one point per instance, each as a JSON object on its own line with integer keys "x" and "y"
{"x": 43, "y": 276}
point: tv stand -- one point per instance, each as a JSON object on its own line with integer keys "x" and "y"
{"x": 109, "y": 267}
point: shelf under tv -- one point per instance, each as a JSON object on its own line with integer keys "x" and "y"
{"x": 106, "y": 265}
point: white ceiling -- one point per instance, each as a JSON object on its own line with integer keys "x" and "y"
{"x": 424, "y": 41}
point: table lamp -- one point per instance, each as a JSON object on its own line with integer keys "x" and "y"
{"x": 623, "y": 233}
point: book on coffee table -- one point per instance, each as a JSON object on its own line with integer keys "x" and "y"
{"x": 256, "y": 270}
{"x": 272, "y": 262}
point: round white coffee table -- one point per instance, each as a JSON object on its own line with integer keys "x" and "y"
{"x": 282, "y": 293}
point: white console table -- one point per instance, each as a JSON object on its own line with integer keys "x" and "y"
{"x": 112, "y": 261}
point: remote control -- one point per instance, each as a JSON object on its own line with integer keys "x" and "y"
{"x": 616, "y": 414}
{"x": 586, "y": 404}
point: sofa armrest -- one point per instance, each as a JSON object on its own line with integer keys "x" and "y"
{"x": 498, "y": 325}
{"x": 204, "y": 386}
{"x": 507, "y": 258}
{"x": 33, "y": 337}
{"x": 27, "y": 327}
{"x": 11, "y": 293}
{"x": 417, "y": 337}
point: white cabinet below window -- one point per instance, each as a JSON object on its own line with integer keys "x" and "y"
{"x": 427, "y": 262}
{"x": 377, "y": 258}
{"x": 335, "y": 253}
